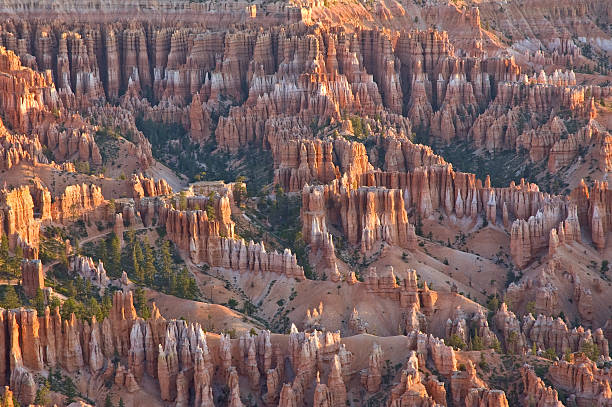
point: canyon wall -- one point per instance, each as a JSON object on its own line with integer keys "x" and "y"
{"x": 180, "y": 355}
{"x": 203, "y": 228}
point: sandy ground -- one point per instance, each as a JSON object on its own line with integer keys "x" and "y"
{"x": 57, "y": 181}
{"x": 276, "y": 296}
{"x": 212, "y": 317}
{"x": 158, "y": 171}
{"x": 585, "y": 263}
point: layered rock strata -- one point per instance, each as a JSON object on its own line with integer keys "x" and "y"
{"x": 32, "y": 277}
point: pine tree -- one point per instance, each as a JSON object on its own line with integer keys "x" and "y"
{"x": 114, "y": 256}
{"x": 108, "y": 402}
{"x": 194, "y": 292}
{"x": 138, "y": 252}
{"x": 4, "y": 249}
{"x": 76, "y": 247}
{"x": 88, "y": 287}
{"x": 110, "y": 208}
{"x": 93, "y": 308}
{"x": 39, "y": 302}
{"x": 15, "y": 262}
{"x": 140, "y": 301}
{"x": 166, "y": 259}
{"x": 71, "y": 290}
{"x": 54, "y": 303}
{"x": 172, "y": 286}
{"x": 148, "y": 264}
{"x": 183, "y": 201}
{"x": 130, "y": 237}
{"x": 239, "y": 191}
{"x": 121, "y": 403}
{"x": 70, "y": 306}
{"x": 42, "y": 394}
{"x": 138, "y": 270}
{"x": 181, "y": 283}
{"x": 107, "y": 304}
{"x": 101, "y": 252}
{"x": 79, "y": 287}
{"x": 10, "y": 299}
{"x": 18, "y": 252}
{"x": 477, "y": 343}
{"x": 210, "y": 206}
{"x": 70, "y": 390}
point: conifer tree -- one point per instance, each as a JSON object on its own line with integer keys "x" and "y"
{"x": 39, "y": 302}
{"x": 114, "y": 256}
{"x": 10, "y": 299}
{"x": 148, "y": 267}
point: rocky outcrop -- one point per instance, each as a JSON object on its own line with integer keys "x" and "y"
{"x": 366, "y": 215}
{"x": 402, "y": 155}
{"x": 385, "y": 284}
{"x": 332, "y": 92}
{"x": 509, "y": 326}
{"x": 588, "y": 384}
{"x": 463, "y": 382}
{"x": 33, "y": 278}
{"x": 122, "y": 119}
{"x": 283, "y": 80}
{"x": 24, "y": 385}
{"x": 46, "y": 340}
{"x": 86, "y": 268}
{"x": 553, "y": 333}
{"x": 17, "y": 215}
{"x": 19, "y": 148}
{"x": 356, "y": 324}
{"x": 536, "y": 392}
{"x": 181, "y": 356}
{"x": 212, "y": 240}
{"x": 72, "y": 141}
{"x": 483, "y": 397}
{"x": 443, "y": 356}
{"x": 147, "y": 187}
{"x": 76, "y": 201}
{"x": 336, "y": 385}
{"x": 511, "y": 119}
{"x": 27, "y": 96}
{"x": 300, "y": 162}
{"x": 411, "y": 390}
{"x": 567, "y": 148}
{"x": 528, "y": 237}
{"x": 371, "y": 378}
{"x": 372, "y": 212}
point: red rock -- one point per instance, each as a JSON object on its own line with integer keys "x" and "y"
{"x": 76, "y": 201}
{"x": 410, "y": 391}
{"x": 462, "y": 383}
{"x": 18, "y": 216}
{"x": 23, "y": 385}
{"x": 336, "y": 384}
{"x": 136, "y": 355}
{"x": 33, "y": 278}
{"x": 582, "y": 378}
{"x": 234, "y": 389}
{"x": 477, "y": 397}
{"x": 536, "y": 392}
{"x": 167, "y": 369}
{"x": 372, "y": 377}
{"x": 509, "y": 326}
